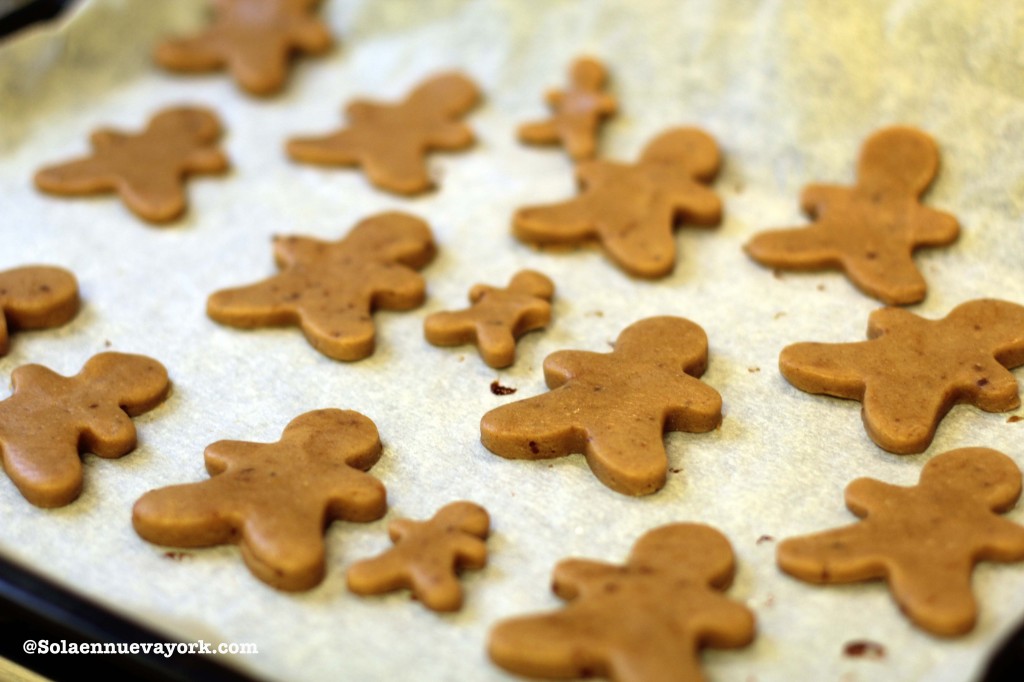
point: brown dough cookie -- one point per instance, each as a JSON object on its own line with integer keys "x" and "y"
{"x": 615, "y": 407}
{"x": 576, "y": 112}
{"x": 50, "y": 419}
{"x": 912, "y": 370}
{"x": 497, "y": 318}
{"x": 871, "y": 230}
{"x": 275, "y": 499}
{"x": 330, "y": 289}
{"x": 427, "y": 557}
{"x": 924, "y": 540}
{"x": 253, "y": 39}
{"x": 147, "y": 169}
{"x": 391, "y": 141}
{"x": 35, "y": 297}
{"x": 641, "y": 622}
{"x": 632, "y": 209}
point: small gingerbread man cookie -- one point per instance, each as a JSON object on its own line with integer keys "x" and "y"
{"x": 641, "y": 622}
{"x": 924, "y": 540}
{"x": 254, "y": 39}
{"x": 147, "y": 169}
{"x": 632, "y": 209}
{"x": 615, "y": 407}
{"x": 427, "y": 556}
{"x": 576, "y": 112}
{"x": 275, "y": 499}
{"x": 912, "y": 371}
{"x": 35, "y": 297}
{"x": 871, "y": 230}
{"x": 390, "y": 141}
{"x": 497, "y": 318}
{"x": 330, "y": 289}
{"x": 50, "y": 419}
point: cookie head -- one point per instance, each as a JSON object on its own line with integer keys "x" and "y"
{"x": 668, "y": 548}
{"x": 666, "y": 341}
{"x": 445, "y": 96}
{"x": 199, "y": 124}
{"x": 982, "y": 474}
{"x": 141, "y": 381}
{"x": 37, "y": 296}
{"x": 588, "y": 74}
{"x": 395, "y": 236}
{"x": 689, "y": 149}
{"x": 898, "y": 160}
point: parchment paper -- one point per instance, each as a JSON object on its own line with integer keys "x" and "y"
{"x": 790, "y": 90}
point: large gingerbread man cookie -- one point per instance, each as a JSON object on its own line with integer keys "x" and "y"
{"x": 390, "y": 141}
{"x": 924, "y": 540}
{"x": 615, "y": 407}
{"x": 576, "y": 113}
{"x": 253, "y": 39}
{"x": 35, "y": 297}
{"x": 428, "y": 556}
{"x": 870, "y": 230}
{"x": 50, "y": 419}
{"x": 497, "y": 318}
{"x": 147, "y": 169}
{"x": 912, "y": 371}
{"x": 330, "y": 289}
{"x": 641, "y": 622}
{"x": 633, "y": 209}
{"x": 275, "y": 499}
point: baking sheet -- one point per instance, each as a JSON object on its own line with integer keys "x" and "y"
{"x": 790, "y": 90}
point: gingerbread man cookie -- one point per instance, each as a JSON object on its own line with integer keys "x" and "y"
{"x": 924, "y": 539}
{"x": 576, "y": 112}
{"x": 330, "y": 289}
{"x": 275, "y": 499}
{"x": 253, "y": 39}
{"x": 912, "y": 370}
{"x": 390, "y": 141}
{"x": 35, "y": 297}
{"x": 632, "y": 210}
{"x": 615, "y": 407}
{"x": 871, "y": 230}
{"x": 148, "y": 169}
{"x": 641, "y": 622}
{"x": 50, "y": 419}
{"x": 497, "y": 318}
{"x": 427, "y": 556}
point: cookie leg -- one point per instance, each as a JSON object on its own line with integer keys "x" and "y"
{"x": 550, "y": 645}
{"x": 158, "y": 198}
{"x": 936, "y": 598}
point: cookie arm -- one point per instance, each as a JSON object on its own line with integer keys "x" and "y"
{"x": 270, "y": 302}
{"x": 832, "y": 557}
{"x": 567, "y": 222}
{"x": 829, "y": 368}
{"x": 538, "y": 132}
{"x": 194, "y": 54}
{"x": 79, "y": 177}
{"x": 794, "y": 248}
{"x": 450, "y": 136}
{"x": 536, "y": 428}
{"x": 933, "y": 228}
{"x": 341, "y": 148}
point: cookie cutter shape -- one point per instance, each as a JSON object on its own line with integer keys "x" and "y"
{"x": 639, "y": 622}
{"x": 274, "y": 499}
{"x": 147, "y": 169}
{"x": 870, "y": 230}
{"x": 35, "y": 297}
{"x": 633, "y": 209}
{"x": 912, "y": 371}
{"x": 577, "y": 112}
{"x": 923, "y": 539}
{"x": 427, "y": 556}
{"x": 253, "y": 39}
{"x": 497, "y": 318}
{"x": 50, "y": 419}
{"x": 330, "y": 289}
{"x": 390, "y": 141}
{"x": 615, "y": 407}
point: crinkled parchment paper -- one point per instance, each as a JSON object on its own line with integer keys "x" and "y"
{"x": 790, "y": 90}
